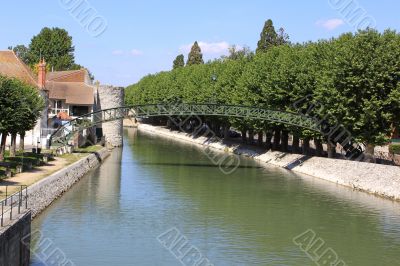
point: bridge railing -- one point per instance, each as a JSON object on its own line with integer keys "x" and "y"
{"x": 14, "y": 203}
{"x": 63, "y": 135}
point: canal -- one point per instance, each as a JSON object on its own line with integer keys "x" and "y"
{"x": 154, "y": 190}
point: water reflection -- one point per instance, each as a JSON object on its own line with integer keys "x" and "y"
{"x": 114, "y": 215}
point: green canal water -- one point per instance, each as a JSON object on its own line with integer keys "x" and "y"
{"x": 147, "y": 196}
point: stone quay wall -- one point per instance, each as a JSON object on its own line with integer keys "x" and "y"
{"x": 15, "y": 242}
{"x": 44, "y": 192}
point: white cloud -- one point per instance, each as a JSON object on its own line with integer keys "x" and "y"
{"x": 136, "y": 52}
{"x": 133, "y": 52}
{"x": 330, "y": 24}
{"x": 213, "y": 48}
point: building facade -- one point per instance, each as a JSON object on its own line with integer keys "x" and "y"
{"x": 67, "y": 94}
{"x": 70, "y": 93}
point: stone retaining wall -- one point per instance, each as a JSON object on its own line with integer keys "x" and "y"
{"x": 14, "y": 242}
{"x": 382, "y": 180}
{"x": 44, "y": 192}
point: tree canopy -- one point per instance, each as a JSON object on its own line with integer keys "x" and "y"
{"x": 353, "y": 79}
{"x": 20, "y": 107}
{"x": 53, "y": 44}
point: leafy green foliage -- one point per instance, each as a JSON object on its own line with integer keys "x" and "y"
{"x": 236, "y": 53}
{"x": 394, "y": 148}
{"x": 55, "y": 45}
{"x": 20, "y": 107}
{"x": 353, "y": 81}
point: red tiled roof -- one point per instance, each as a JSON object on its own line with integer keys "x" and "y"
{"x": 72, "y": 92}
{"x": 67, "y": 76}
{"x": 11, "y": 66}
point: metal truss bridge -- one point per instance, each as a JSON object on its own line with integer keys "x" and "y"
{"x": 64, "y": 133}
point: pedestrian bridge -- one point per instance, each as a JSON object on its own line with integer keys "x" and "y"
{"x": 64, "y": 133}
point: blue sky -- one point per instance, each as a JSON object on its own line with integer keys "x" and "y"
{"x": 145, "y": 36}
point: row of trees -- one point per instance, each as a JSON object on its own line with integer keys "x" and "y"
{"x": 353, "y": 79}
{"x": 20, "y": 107}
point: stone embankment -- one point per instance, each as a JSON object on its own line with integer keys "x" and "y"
{"x": 382, "y": 180}
{"x": 44, "y": 192}
{"x": 14, "y": 241}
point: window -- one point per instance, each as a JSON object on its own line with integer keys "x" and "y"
{"x": 57, "y": 104}
{"x": 80, "y": 110}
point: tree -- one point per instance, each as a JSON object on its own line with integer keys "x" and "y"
{"x": 269, "y": 37}
{"x": 237, "y": 53}
{"x": 361, "y": 92}
{"x": 283, "y": 37}
{"x": 20, "y": 107}
{"x": 22, "y": 52}
{"x": 33, "y": 105}
{"x": 195, "y": 55}
{"x": 351, "y": 87}
{"x": 55, "y": 45}
{"x": 179, "y": 61}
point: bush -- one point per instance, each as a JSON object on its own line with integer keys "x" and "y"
{"x": 394, "y": 148}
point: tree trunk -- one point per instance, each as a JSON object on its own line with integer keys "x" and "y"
{"x": 22, "y": 141}
{"x": 215, "y": 129}
{"x": 251, "y": 137}
{"x": 370, "y": 149}
{"x": 296, "y": 144}
{"x": 260, "y": 138}
{"x": 244, "y": 136}
{"x": 13, "y": 147}
{"x": 268, "y": 138}
{"x": 221, "y": 130}
{"x": 306, "y": 146}
{"x": 319, "y": 148}
{"x": 226, "y": 131}
{"x": 277, "y": 139}
{"x": 369, "y": 154}
{"x": 331, "y": 150}
{"x": 3, "y": 146}
{"x": 284, "y": 141}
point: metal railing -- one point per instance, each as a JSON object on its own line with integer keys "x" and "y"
{"x": 64, "y": 133}
{"x": 13, "y": 204}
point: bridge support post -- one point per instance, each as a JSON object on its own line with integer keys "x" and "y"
{"x": 111, "y": 97}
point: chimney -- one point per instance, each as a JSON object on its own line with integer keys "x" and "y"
{"x": 42, "y": 74}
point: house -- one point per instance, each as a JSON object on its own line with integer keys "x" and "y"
{"x": 68, "y": 94}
